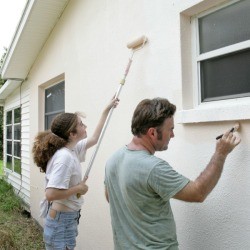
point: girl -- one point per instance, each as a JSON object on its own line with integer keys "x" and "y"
{"x": 58, "y": 153}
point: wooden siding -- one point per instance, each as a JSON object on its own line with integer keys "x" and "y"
{"x": 21, "y": 183}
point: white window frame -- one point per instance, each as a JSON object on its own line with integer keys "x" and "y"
{"x": 13, "y": 140}
{"x": 215, "y": 53}
{"x": 217, "y": 110}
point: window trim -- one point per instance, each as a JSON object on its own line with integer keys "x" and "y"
{"x": 195, "y": 111}
{"x": 228, "y": 110}
{"x": 198, "y": 58}
{"x": 13, "y": 140}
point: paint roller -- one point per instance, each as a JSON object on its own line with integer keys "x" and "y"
{"x": 134, "y": 45}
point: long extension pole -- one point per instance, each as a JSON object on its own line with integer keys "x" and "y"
{"x": 135, "y": 45}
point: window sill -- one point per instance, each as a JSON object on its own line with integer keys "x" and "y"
{"x": 11, "y": 172}
{"x": 216, "y": 111}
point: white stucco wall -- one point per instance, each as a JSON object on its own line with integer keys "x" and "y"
{"x": 88, "y": 45}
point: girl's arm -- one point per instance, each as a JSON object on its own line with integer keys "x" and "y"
{"x": 60, "y": 194}
{"x": 94, "y": 138}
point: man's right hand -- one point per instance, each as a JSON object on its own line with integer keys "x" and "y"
{"x": 227, "y": 143}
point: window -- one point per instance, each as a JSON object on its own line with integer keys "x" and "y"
{"x": 54, "y": 102}
{"x": 223, "y": 52}
{"x": 215, "y": 53}
{"x": 13, "y": 140}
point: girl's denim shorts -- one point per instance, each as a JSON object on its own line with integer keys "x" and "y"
{"x": 61, "y": 231}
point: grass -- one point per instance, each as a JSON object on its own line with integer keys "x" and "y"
{"x": 17, "y": 230}
{"x": 1, "y": 167}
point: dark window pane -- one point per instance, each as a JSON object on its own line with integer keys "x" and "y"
{"x": 17, "y": 115}
{"x": 54, "y": 98}
{"x": 225, "y": 27}
{"x": 17, "y": 149}
{"x": 17, "y": 165}
{"x": 9, "y": 147}
{"x": 226, "y": 76}
{"x": 9, "y": 117}
{"x": 9, "y": 132}
{"x": 49, "y": 119}
{"x": 9, "y": 162}
{"x": 17, "y": 132}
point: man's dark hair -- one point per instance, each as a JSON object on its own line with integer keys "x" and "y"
{"x": 151, "y": 113}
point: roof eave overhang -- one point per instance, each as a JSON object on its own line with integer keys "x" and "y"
{"x": 35, "y": 26}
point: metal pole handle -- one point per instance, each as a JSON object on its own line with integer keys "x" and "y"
{"x": 101, "y": 136}
{"x": 86, "y": 175}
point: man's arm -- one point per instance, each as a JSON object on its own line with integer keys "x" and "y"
{"x": 198, "y": 190}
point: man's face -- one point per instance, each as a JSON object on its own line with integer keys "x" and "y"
{"x": 164, "y": 135}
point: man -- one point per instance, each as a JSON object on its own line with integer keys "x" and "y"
{"x": 139, "y": 185}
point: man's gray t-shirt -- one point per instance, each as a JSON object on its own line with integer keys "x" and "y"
{"x": 139, "y": 186}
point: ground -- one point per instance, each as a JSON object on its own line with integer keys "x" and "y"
{"x": 18, "y": 231}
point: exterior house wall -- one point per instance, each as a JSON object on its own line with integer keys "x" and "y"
{"x": 87, "y": 49}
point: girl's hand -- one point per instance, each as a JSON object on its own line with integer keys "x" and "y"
{"x": 113, "y": 103}
{"x": 83, "y": 188}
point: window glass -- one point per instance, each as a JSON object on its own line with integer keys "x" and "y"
{"x": 49, "y": 119}
{"x": 9, "y": 132}
{"x": 17, "y": 132}
{"x": 9, "y": 147}
{"x": 226, "y": 77}
{"x": 17, "y": 149}
{"x": 225, "y": 27}
{"x": 17, "y": 164}
{"x": 54, "y": 102}
{"x": 17, "y": 115}
{"x": 54, "y": 98}
{"x": 9, "y": 162}
{"x": 9, "y": 117}
{"x": 224, "y": 70}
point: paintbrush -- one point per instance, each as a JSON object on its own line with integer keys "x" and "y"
{"x": 233, "y": 129}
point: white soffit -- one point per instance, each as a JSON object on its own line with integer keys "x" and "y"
{"x": 7, "y": 88}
